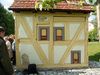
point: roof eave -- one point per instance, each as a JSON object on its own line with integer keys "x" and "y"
{"x": 51, "y": 10}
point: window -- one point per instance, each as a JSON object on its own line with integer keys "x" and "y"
{"x": 43, "y": 33}
{"x": 75, "y": 57}
{"x": 58, "y": 33}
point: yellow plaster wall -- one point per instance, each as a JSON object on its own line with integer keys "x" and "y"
{"x": 29, "y": 22}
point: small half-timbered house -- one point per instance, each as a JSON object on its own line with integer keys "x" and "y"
{"x": 57, "y": 38}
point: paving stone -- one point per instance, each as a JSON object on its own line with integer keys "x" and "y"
{"x": 42, "y": 73}
{"x": 49, "y": 73}
{"x": 88, "y": 71}
{"x": 60, "y": 73}
{"x": 81, "y": 74}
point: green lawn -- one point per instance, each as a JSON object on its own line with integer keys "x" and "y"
{"x": 94, "y": 51}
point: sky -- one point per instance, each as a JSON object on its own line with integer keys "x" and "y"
{"x": 6, "y": 3}
{"x": 92, "y": 17}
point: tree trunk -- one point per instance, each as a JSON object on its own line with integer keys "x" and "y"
{"x": 98, "y": 19}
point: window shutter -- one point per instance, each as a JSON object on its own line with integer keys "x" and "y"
{"x": 54, "y": 34}
{"x": 63, "y": 36}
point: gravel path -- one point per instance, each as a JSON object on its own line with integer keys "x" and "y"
{"x": 93, "y": 70}
{"x": 89, "y": 71}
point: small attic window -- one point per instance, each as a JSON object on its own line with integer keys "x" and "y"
{"x": 75, "y": 57}
{"x": 43, "y": 33}
{"x": 58, "y": 33}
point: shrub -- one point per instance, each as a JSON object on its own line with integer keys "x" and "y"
{"x": 93, "y": 36}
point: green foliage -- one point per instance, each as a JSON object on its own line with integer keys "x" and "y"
{"x": 90, "y": 1}
{"x": 93, "y": 35}
{"x": 50, "y": 4}
{"x": 46, "y": 4}
{"x": 6, "y": 20}
{"x": 95, "y": 57}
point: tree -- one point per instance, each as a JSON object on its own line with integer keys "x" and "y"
{"x": 97, "y": 3}
{"x": 93, "y": 35}
{"x": 98, "y": 17}
{"x": 6, "y": 20}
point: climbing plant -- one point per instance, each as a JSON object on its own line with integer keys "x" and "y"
{"x": 49, "y": 4}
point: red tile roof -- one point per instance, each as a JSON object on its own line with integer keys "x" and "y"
{"x": 64, "y": 5}
{"x": 23, "y": 4}
{"x": 29, "y": 4}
